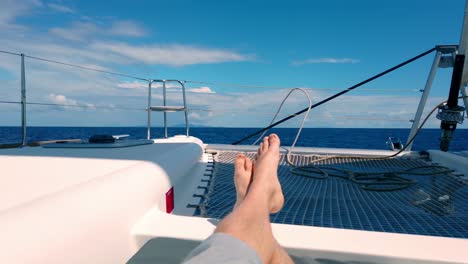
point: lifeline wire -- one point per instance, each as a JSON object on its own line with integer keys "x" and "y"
{"x": 82, "y": 106}
{"x": 74, "y": 65}
{"x": 86, "y": 68}
{"x": 9, "y": 102}
{"x": 8, "y": 52}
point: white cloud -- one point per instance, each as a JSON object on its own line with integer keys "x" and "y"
{"x": 250, "y": 109}
{"x": 194, "y": 116}
{"x": 255, "y": 109}
{"x": 95, "y": 67}
{"x": 144, "y": 85}
{"x": 88, "y": 31}
{"x": 175, "y": 55}
{"x": 99, "y": 48}
{"x": 326, "y": 60}
{"x": 11, "y": 9}
{"x": 65, "y": 103}
{"x": 94, "y": 43}
{"x": 60, "y": 8}
{"x": 79, "y": 31}
{"x": 127, "y": 28}
{"x": 68, "y": 86}
{"x": 203, "y": 89}
{"x": 133, "y": 85}
{"x": 61, "y": 99}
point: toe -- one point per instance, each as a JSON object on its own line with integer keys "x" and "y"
{"x": 273, "y": 140}
{"x": 239, "y": 163}
{"x": 260, "y": 150}
{"x": 265, "y": 144}
{"x": 248, "y": 164}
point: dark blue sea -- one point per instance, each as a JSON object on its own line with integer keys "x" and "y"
{"x": 363, "y": 138}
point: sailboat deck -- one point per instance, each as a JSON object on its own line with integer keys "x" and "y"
{"x": 435, "y": 204}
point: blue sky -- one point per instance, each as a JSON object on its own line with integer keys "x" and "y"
{"x": 320, "y": 45}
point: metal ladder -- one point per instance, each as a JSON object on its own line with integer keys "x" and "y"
{"x": 165, "y": 108}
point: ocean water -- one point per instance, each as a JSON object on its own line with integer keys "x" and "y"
{"x": 361, "y": 138}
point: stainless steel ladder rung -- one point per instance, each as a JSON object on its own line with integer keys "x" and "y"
{"x": 165, "y": 108}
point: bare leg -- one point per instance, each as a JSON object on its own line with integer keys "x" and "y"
{"x": 243, "y": 172}
{"x": 243, "y": 176}
{"x": 250, "y": 221}
{"x": 266, "y": 171}
{"x": 281, "y": 256}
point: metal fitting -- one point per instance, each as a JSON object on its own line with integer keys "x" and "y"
{"x": 454, "y": 115}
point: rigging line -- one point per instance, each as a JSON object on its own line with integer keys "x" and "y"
{"x": 86, "y": 106}
{"x": 9, "y": 102}
{"x": 368, "y": 180}
{"x": 76, "y": 66}
{"x": 420, "y": 128}
{"x": 359, "y": 118}
{"x": 221, "y": 110}
{"x": 87, "y": 68}
{"x": 369, "y": 89}
{"x": 234, "y": 84}
{"x": 11, "y": 53}
{"x": 393, "y": 155}
{"x": 304, "y": 88}
{"x": 338, "y": 94}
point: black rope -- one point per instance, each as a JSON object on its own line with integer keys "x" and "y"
{"x": 336, "y": 95}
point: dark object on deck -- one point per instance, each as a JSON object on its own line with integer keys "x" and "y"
{"x": 101, "y": 139}
{"x": 38, "y": 143}
{"x": 394, "y": 143}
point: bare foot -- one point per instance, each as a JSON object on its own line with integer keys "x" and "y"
{"x": 266, "y": 170}
{"x": 242, "y": 177}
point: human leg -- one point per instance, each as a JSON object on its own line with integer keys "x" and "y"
{"x": 243, "y": 175}
{"x": 250, "y": 220}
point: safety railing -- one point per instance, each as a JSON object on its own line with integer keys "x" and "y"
{"x": 442, "y": 59}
